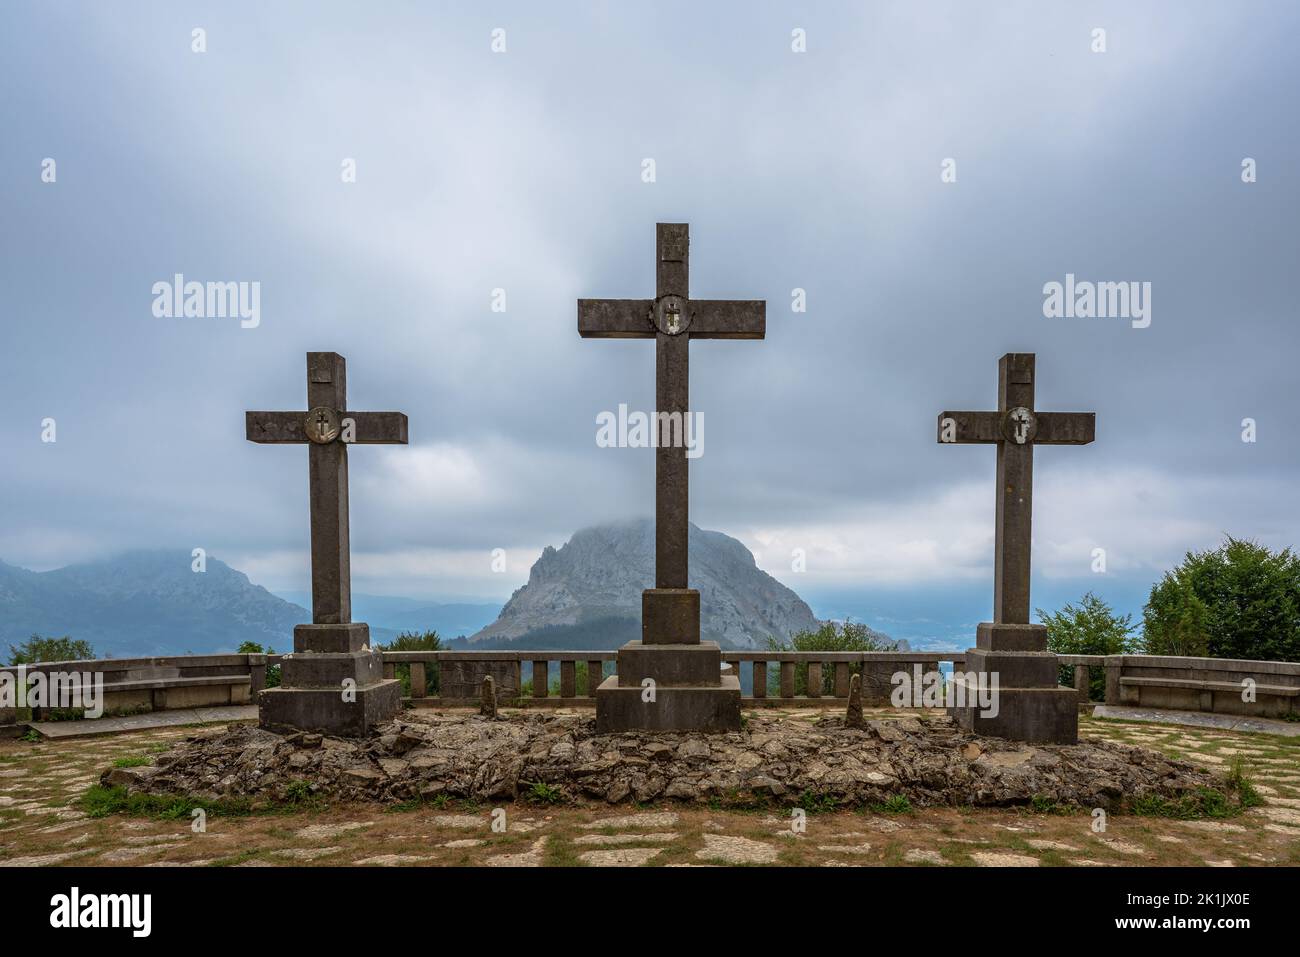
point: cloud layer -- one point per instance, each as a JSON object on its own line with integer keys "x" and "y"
{"x": 521, "y": 171}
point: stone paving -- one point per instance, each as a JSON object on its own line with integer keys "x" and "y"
{"x": 43, "y": 823}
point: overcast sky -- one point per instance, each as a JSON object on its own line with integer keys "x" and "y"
{"x": 522, "y": 170}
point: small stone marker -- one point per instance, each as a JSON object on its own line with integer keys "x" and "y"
{"x": 1031, "y": 706}
{"x": 690, "y": 691}
{"x": 488, "y": 705}
{"x": 853, "y": 717}
{"x": 333, "y": 682}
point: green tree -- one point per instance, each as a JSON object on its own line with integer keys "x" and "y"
{"x": 1175, "y": 621}
{"x": 1089, "y": 628}
{"x": 415, "y": 641}
{"x": 37, "y": 649}
{"x": 829, "y": 636}
{"x": 1249, "y": 603}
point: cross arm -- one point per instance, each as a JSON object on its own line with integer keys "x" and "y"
{"x": 728, "y": 318}
{"x": 376, "y": 428}
{"x": 615, "y": 319}
{"x": 1066, "y": 428}
{"x": 963, "y": 428}
{"x": 275, "y": 426}
{"x": 369, "y": 428}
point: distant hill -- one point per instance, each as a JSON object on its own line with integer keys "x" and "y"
{"x": 389, "y": 615}
{"x": 588, "y": 594}
{"x": 144, "y": 603}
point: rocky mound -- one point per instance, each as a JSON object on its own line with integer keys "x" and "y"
{"x": 779, "y": 759}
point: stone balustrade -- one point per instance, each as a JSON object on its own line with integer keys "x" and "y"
{"x": 777, "y": 679}
{"x": 772, "y": 681}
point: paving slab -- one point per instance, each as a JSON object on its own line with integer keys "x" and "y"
{"x": 61, "y": 730}
{"x": 1200, "y": 719}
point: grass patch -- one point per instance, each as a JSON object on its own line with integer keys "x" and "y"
{"x": 404, "y": 807}
{"x": 1239, "y": 794}
{"x": 1042, "y": 804}
{"x": 561, "y": 854}
{"x": 815, "y": 803}
{"x": 540, "y": 792}
{"x": 133, "y": 762}
{"x": 1238, "y": 782}
{"x": 894, "y": 804}
{"x": 100, "y": 801}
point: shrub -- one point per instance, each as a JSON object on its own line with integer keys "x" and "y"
{"x": 415, "y": 641}
{"x": 830, "y": 636}
{"x": 1089, "y": 628}
{"x": 253, "y": 648}
{"x": 37, "y": 649}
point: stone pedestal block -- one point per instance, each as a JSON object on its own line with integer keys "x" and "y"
{"x": 1029, "y": 705}
{"x": 1016, "y": 669}
{"x": 670, "y": 616}
{"x": 324, "y": 711}
{"x": 991, "y": 636}
{"x": 679, "y": 665}
{"x": 1032, "y": 715}
{"x": 336, "y": 639}
{"x": 698, "y": 708}
{"x": 331, "y": 670}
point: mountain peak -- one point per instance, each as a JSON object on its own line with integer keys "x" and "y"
{"x": 599, "y": 574}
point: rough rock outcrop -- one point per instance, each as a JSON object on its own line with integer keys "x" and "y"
{"x": 427, "y": 754}
{"x": 601, "y": 572}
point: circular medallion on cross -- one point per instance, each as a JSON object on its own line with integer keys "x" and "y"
{"x": 1019, "y": 425}
{"x": 670, "y": 316}
{"x": 322, "y": 425}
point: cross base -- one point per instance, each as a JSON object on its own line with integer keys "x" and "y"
{"x": 690, "y": 691}
{"x": 1032, "y": 715}
{"x": 1030, "y": 706}
{"x": 323, "y": 711}
{"x": 675, "y": 707}
{"x": 332, "y": 684}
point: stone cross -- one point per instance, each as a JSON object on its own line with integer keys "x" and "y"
{"x": 328, "y": 428}
{"x": 1015, "y": 428}
{"x": 1009, "y": 650}
{"x": 691, "y": 692}
{"x": 672, "y": 319}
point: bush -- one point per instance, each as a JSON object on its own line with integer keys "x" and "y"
{"x": 1240, "y": 600}
{"x": 253, "y": 648}
{"x": 37, "y": 649}
{"x": 415, "y": 641}
{"x": 850, "y": 636}
{"x": 1089, "y": 628}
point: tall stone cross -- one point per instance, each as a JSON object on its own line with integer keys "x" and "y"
{"x": 671, "y": 319}
{"x": 1015, "y": 428}
{"x": 328, "y": 429}
{"x": 333, "y": 682}
{"x": 1032, "y": 707}
{"x": 691, "y": 693}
